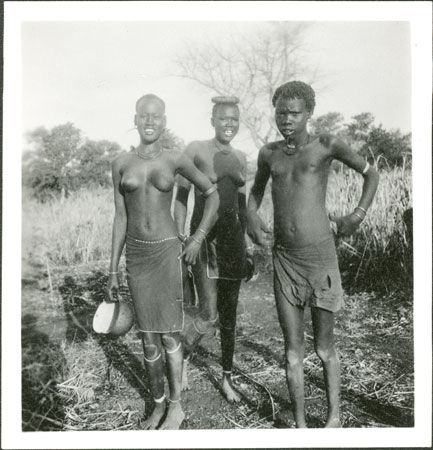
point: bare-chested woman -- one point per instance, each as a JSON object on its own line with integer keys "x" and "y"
{"x": 222, "y": 262}
{"x": 143, "y": 182}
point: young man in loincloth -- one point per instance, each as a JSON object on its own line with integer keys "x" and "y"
{"x": 305, "y": 262}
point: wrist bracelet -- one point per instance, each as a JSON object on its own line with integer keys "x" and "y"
{"x": 367, "y": 166}
{"x": 356, "y": 214}
{"x": 362, "y": 209}
{"x": 195, "y": 240}
{"x": 209, "y": 191}
{"x": 202, "y": 231}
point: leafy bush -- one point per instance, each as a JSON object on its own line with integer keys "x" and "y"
{"x": 386, "y": 148}
{"x": 60, "y": 161}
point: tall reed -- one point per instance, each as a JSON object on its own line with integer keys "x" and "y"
{"x": 379, "y": 255}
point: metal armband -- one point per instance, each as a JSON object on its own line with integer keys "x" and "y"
{"x": 208, "y": 192}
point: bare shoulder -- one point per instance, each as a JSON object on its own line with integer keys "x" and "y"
{"x": 193, "y": 148}
{"x": 175, "y": 155}
{"x": 268, "y": 149}
{"x": 121, "y": 160}
{"x": 331, "y": 142}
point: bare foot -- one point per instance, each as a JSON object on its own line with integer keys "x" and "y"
{"x": 228, "y": 391}
{"x": 185, "y": 384}
{"x": 174, "y": 418}
{"x": 333, "y": 422}
{"x": 152, "y": 422}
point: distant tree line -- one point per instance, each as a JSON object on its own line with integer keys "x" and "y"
{"x": 60, "y": 160}
{"x": 386, "y": 148}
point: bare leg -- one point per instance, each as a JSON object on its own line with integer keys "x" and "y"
{"x": 292, "y": 323}
{"x": 323, "y": 326}
{"x": 228, "y": 292}
{"x": 174, "y": 356}
{"x": 152, "y": 349}
{"x": 205, "y": 322}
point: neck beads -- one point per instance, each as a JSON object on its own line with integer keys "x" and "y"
{"x": 148, "y": 155}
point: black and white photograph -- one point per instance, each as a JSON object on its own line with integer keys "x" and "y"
{"x": 217, "y": 217}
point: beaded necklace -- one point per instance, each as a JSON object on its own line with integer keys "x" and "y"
{"x": 224, "y": 150}
{"x": 153, "y": 154}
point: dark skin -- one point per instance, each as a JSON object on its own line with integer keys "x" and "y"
{"x": 299, "y": 183}
{"x": 143, "y": 192}
{"x": 217, "y": 296}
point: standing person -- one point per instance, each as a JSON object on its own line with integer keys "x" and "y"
{"x": 222, "y": 263}
{"x": 305, "y": 261}
{"x": 143, "y": 182}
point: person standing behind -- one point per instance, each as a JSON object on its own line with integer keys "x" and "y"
{"x": 156, "y": 259}
{"x": 222, "y": 262}
{"x": 305, "y": 262}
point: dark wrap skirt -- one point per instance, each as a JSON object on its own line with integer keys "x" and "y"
{"x": 308, "y": 275}
{"x": 155, "y": 279}
{"x": 223, "y": 252}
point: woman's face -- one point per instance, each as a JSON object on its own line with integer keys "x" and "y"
{"x": 226, "y": 123}
{"x": 150, "y": 120}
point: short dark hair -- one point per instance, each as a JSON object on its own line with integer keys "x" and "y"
{"x": 296, "y": 89}
{"x": 150, "y": 97}
{"x": 224, "y": 101}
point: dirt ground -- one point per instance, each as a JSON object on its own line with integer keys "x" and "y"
{"x": 74, "y": 379}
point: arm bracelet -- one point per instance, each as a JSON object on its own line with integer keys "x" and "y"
{"x": 356, "y": 214}
{"x": 367, "y": 166}
{"x": 362, "y": 209}
{"x": 202, "y": 231}
{"x": 208, "y": 192}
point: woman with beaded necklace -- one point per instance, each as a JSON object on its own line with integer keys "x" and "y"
{"x": 143, "y": 182}
{"x": 222, "y": 262}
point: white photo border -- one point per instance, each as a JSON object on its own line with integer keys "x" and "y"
{"x": 418, "y": 14}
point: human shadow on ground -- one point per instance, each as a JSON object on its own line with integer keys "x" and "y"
{"x": 43, "y": 367}
{"x": 81, "y": 298}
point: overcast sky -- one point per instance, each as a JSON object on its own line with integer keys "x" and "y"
{"x": 91, "y": 73}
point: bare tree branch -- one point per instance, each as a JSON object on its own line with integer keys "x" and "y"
{"x": 252, "y": 67}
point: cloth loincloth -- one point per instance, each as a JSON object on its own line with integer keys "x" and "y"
{"x": 309, "y": 275}
{"x": 155, "y": 279}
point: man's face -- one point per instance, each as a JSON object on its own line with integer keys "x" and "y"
{"x": 150, "y": 120}
{"x": 291, "y": 116}
{"x": 226, "y": 123}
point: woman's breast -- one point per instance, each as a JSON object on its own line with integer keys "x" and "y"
{"x": 137, "y": 178}
{"x": 228, "y": 167}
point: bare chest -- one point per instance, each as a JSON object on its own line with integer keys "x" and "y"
{"x": 145, "y": 175}
{"x": 306, "y": 165}
{"x": 218, "y": 166}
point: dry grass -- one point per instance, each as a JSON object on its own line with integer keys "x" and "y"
{"x": 76, "y": 380}
{"x": 379, "y": 256}
{"x": 78, "y": 230}
{"x": 92, "y": 384}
